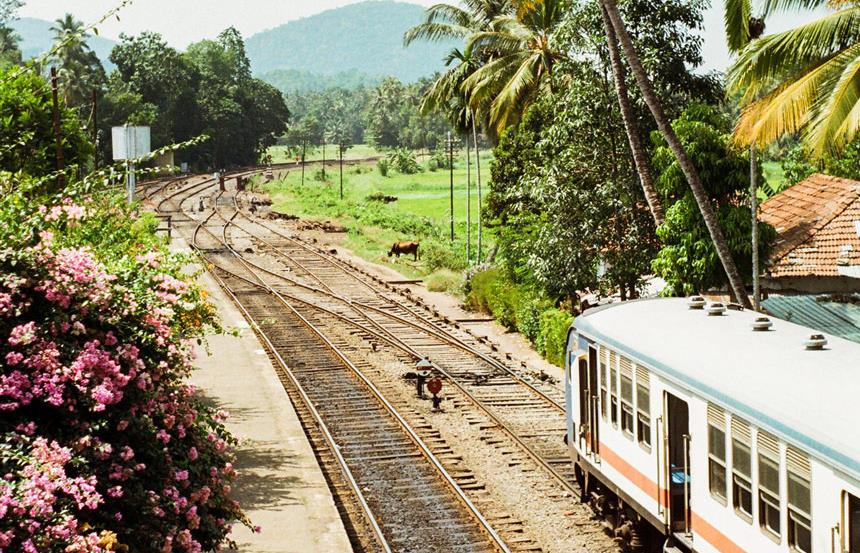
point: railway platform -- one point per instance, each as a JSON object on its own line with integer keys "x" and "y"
{"x": 280, "y": 484}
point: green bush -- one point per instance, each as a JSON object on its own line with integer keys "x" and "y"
{"x": 552, "y": 342}
{"x": 383, "y": 166}
{"x": 440, "y": 256}
{"x": 528, "y": 314}
{"x": 444, "y": 280}
{"x": 403, "y": 159}
{"x": 320, "y": 175}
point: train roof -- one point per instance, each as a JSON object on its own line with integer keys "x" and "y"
{"x": 808, "y": 397}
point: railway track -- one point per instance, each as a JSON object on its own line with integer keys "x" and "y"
{"x": 405, "y": 496}
{"x": 327, "y": 293}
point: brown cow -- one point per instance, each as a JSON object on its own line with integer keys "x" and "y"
{"x": 405, "y": 248}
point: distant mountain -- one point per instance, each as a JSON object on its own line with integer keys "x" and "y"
{"x": 297, "y": 81}
{"x": 37, "y": 38}
{"x": 366, "y": 37}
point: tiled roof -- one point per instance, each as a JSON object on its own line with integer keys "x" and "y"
{"x": 838, "y": 318}
{"x": 818, "y": 222}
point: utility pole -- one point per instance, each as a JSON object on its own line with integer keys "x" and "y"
{"x": 323, "y": 159}
{"x": 340, "y": 150}
{"x": 58, "y": 133}
{"x": 451, "y": 173}
{"x": 304, "y": 150}
{"x": 754, "y": 211}
{"x": 478, "y": 165}
{"x": 468, "y": 204}
{"x": 96, "y": 129}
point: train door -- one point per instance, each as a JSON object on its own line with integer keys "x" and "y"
{"x": 677, "y": 455}
{"x": 593, "y": 407}
{"x": 588, "y": 410}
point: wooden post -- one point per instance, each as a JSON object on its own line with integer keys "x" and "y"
{"x": 340, "y": 150}
{"x": 468, "y": 204}
{"x": 478, "y": 166}
{"x": 304, "y": 149}
{"x": 451, "y": 173}
{"x": 58, "y": 133}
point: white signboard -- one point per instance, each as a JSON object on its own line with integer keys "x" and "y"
{"x": 130, "y": 142}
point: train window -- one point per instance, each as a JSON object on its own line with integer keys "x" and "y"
{"x": 742, "y": 468}
{"x": 717, "y": 462}
{"x": 613, "y": 389}
{"x": 768, "y": 494}
{"x": 627, "y": 405}
{"x": 852, "y": 524}
{"x": 643, "y": 407}
{"x": 604, "y": 377}
{"x": 799, "y": 501}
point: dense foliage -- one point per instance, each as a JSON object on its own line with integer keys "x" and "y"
{"x": 688, "y": 261}
{"x": 565, "y": 198}
{"x": 206, "y": 90}
{"x": 27, "y": 140}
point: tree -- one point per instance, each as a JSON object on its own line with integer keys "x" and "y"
{"x": 80, "y": 69}
{"x": 10, "y": 53}
{"x": 805, "y": 80}
{"x": 520, "y": 53}
{"x": 688, "y": 260}
{"x": 656, "y": 107}
{"x": 631, "y": 127}
{"x": 384, "y": 113}
{"x": 27, "y": 132}
{"x": 163, "y": 78}
{"x": 242, "y": 115}
{"x": 447, "y": 21}
{"x": 119, "y": 105}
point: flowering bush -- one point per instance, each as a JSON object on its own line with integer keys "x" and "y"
{"x": 103, "y": 446}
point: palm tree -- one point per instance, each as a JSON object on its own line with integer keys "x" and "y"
{"x": 640, "y": 157}
{"x": 445, "y": 21}
{"x": 520, "y": 58}
{"x": 665, "y": 127}
{"x": 803, "y": 81}
{"x": 79, "y": 67}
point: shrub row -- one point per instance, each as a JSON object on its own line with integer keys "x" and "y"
{"x": 518, "y": 307}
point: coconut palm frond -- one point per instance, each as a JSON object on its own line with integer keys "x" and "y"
{"x": 838, "y": 113}
{"x": 737, "y": 19}
{"x": 778, "y": 57}
{"x": 773, "y": 6}
{"x": 514, "y": 98}
{"x": 787, "y": 109}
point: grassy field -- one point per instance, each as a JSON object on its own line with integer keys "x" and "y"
{"x": 359, "y": 151}
{"x": 421, "y": 212}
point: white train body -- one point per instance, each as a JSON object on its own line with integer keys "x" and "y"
{"x": 726, "y": 439}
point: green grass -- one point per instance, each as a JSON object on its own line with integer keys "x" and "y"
{"x": 773, "y": 174}
{"x": 421, "y": 212}
{"x": 359, "y": 151}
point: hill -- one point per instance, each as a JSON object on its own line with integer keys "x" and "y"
{"x": 37, "y": 38}
{"x": 297, "y": 81}
{"x": 366, "y": 37}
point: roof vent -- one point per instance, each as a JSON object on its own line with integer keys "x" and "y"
{"x": 696, "y": 302}
{"x": 716, "y": 308}
{"x": 762, "y": 323}
{"x": 815, "y": 341}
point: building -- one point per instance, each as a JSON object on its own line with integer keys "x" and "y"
{"x": 818, "y": 245}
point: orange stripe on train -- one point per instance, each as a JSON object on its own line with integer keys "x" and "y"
{"x": 702, "y": 527}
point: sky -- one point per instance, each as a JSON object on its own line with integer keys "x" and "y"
{"x": 182, "y": 22}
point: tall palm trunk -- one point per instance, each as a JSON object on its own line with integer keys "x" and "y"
{"x": 735, "y": 281}
{"x": 639, "y": 157}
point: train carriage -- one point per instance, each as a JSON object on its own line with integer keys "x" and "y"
{"x": 708, "y": 430}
